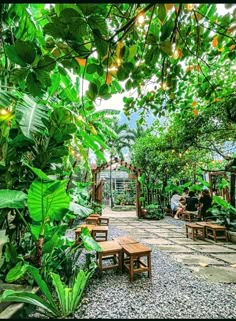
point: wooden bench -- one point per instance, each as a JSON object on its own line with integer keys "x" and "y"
{"x": 109, "y": 250}
{"x": 103, "y": 221}
{"x": 212, "y": 231}
{"x": 131, "y": 257}
{"x": 194, "y": 230}
{"x": 94, "y": 215}
{"x": 100, "y": 233}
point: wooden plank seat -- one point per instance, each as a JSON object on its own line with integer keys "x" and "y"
{"x": 195, "y": 231}
{"x": 92, "y": 220}
{"x": 125, "y": 240}
{"x": 103, "y": 221}
{"x": 131, "y": 257}
{"x": 110, "y": 250}
{"x": 216, "y": 232}
{"x": 100, "y": 233}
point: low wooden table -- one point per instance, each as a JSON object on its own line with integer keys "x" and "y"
{"x": 79, "y": 228}
{"x": 195, "y": 228}
{"x": 132, "y": 262}
{"x": 100, "y": 233}
{"x": 110, "y": 250}
{"x": 103, "y": 220}
{"x": 212, "y": 232}
{"x": 125, "y": 240}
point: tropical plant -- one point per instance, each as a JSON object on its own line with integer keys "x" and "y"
{"x": 67, "y": 300}
{"x": 223, "y": 211}
{"x": 154, "y": 211}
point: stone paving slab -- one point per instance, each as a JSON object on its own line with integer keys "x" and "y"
{"x": 230, "y": 245}
{"x": 173, "y": 248}
{"x": 188, "y": 241}
{"x": 155, "y": 230}
{"x": 158, "y": 241}
{"x": 227, "y": 257}
{"x": 190, "y": 259}
{"x": 215, "y": 273}
{"x": 169, "y": 234}
{"x": 210, "y": 248}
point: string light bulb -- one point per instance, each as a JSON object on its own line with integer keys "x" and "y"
{"x": 141, "y": 19}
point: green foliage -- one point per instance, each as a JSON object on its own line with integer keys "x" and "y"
{"x": 154, "y": 211}
{"x": 12, "y": 199}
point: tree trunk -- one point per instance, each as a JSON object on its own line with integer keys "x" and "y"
{"x": 39, "y": 251}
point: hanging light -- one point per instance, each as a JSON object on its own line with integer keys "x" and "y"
{"x": 141, "y": 19}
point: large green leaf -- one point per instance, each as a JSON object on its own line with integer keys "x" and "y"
{"x": 42, "y": 285}
{"x": 17, "y": 272}
{"x": 89, "y": 243}
{"x": 80, "y": 210}
{"x": 31, "y": 117}
{"x": 30, "y": 298}
{"x": 78, "y": 287}
{"x": 38, "y": 172}
{"x": 12, "y": 199}
{"x": 26, "y": 50}
{"x": 60, "y": 289}
{"x": 48, "y": 200}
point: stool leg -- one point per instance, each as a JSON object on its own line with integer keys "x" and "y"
{"x": 149, "y": 265}
{"x": 214, "y": 234}
{"x": 186, "y": 231}
{"x": 120, "y": 261}
{"x": 131, "y": 268}
{"x": 226, "y": 236}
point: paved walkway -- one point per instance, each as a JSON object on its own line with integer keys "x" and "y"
{"x": 206, "y": 258}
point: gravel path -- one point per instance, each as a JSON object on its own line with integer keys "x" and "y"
{"x": 172, "y": 292}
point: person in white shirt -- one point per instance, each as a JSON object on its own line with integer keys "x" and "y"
{"x": 176, "y": 205}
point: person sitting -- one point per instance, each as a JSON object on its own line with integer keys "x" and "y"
{"x": 185, "y": 192}
{"x": 176, "y": 205}
{"x": 191, "y": 204}
{"x": 204, "y": 204}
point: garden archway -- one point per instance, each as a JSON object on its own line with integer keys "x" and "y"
{"x": 97, "y": 186}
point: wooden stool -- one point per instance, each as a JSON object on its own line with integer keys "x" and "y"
{"x": 189, "y": 216}
{"x": 132, "y": 262}
{"x": 99, "y": 233}
{"x": 110, "y": 249}
{"x": 195, "y": 228}
{"x": 212, "y": 229}
{"x": 79, "y": 228}
{"x": 103, "y": 221}
{"x": 92, "y": 220}
{"x": 125, "y": 240}
{"x": 94, "y": 215}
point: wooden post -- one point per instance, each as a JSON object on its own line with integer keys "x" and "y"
{"x": 232, "y": 189}
{"x": 94, "y": 186}
{"x": 138, "y": 190}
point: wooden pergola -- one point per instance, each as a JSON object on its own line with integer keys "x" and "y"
{"x": 97, "y": 186}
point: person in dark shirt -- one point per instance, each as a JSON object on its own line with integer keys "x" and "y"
{"x": 191, "y": 202}
{"x": 205, "y": 203}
